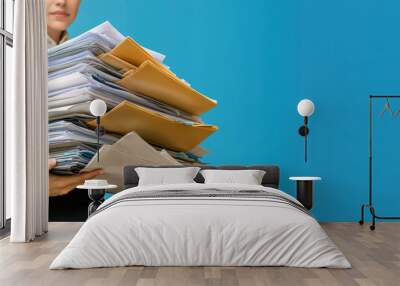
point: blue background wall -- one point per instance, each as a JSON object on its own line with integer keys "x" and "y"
{"x": 259, "y": 58}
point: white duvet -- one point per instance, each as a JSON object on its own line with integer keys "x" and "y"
{"x": 200, "y": 231}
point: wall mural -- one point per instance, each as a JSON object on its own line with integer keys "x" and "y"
{"x": 110, "y": 96}
{"x": 257, "y": 61}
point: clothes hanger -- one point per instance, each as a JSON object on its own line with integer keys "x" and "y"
{"x": 388, "y": 107}
{"x": 396, "y": 113}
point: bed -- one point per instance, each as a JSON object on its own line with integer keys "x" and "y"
{"x": 201, "y": 224}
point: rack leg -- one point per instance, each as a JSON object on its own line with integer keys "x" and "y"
{"x": 372, "y": 227}
{"x": 361, "y": 221}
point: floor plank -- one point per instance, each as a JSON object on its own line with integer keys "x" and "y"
{"x": 375, "y": 257}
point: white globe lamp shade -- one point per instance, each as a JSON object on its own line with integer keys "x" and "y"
{"x": 98, "y": 107}
{"x": 305, "y": 107}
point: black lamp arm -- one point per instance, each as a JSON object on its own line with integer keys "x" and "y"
{"x": 98, "y": 136}
{"x": 303, "y": 131}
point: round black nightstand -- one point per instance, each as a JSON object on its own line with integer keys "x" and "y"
{"x": 305, "y": 190}
{"x": 96, "y": 190}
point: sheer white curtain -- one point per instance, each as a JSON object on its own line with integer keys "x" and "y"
{"x": 26, "y": 124}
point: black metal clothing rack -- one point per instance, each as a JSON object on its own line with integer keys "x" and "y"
{"x": 370, "y": 202}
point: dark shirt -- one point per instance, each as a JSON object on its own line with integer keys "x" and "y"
{"x": 70, "y": 207}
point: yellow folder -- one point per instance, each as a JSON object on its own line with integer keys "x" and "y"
{"x": 116, "y": 62}
{"x": 153, "y": 127}
{"x": 149, "y": 79}
{"x": 131, "y": 52}
{"x": 154, "y": 80}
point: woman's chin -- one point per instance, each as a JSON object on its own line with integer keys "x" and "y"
{"x": 58, "y": 25}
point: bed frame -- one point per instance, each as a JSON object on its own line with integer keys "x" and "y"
{"x": 270, "y": 179}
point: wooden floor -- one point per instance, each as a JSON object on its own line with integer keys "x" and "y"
{"x": 375, "y": 257}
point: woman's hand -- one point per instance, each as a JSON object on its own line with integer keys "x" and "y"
{"x": 62, "y": 185}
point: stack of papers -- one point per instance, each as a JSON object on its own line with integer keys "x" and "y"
{"x": 73, "y": 145}
{"x": 148, "y": 106}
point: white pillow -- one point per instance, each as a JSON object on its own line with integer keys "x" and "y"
{"x": 163, "y": 176}
{"x": 248, "y": 177}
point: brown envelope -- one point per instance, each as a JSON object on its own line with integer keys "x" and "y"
{"x": 153, "y": 127}
{"x": 151, "y": 80}
{"x": 131, "y": 52}
{"x": 129, "y": 150}
{"x": 116, "y": 62}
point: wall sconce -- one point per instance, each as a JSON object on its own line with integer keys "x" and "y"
{"x": 305, "y": 109}
{"x": 98, "y": 108}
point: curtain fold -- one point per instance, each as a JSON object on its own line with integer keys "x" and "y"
{"x": 26, "y": 124}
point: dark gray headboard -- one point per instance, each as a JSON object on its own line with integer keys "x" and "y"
{"x": 271, "y": 177}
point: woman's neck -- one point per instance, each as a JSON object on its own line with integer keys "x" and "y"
{"x": 55, "y": 35}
